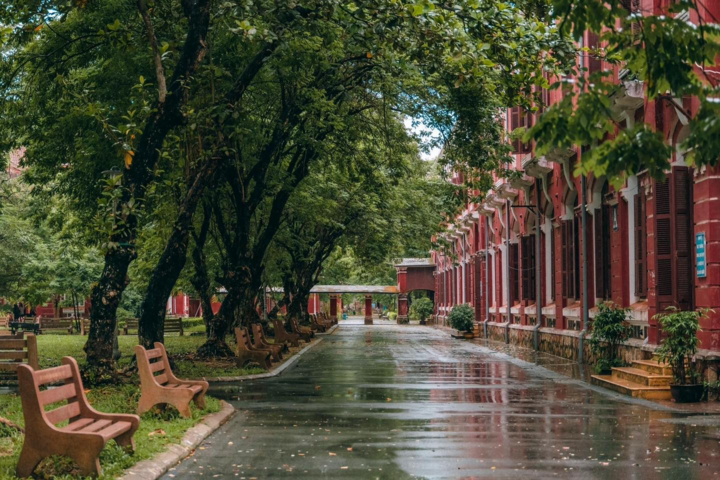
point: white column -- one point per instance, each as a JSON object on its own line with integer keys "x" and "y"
{"x": 629, "y": 195}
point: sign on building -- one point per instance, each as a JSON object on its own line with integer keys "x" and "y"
{"x": 700, "y": 255}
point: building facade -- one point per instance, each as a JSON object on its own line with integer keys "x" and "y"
{"x": 525, "y": 258}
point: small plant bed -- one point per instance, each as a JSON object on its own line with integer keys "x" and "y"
{"x": 462, "y": 319}
{"x": 157, "y": 431}
{"x": 678, "y": 350}
{"x": 609, "y": 330}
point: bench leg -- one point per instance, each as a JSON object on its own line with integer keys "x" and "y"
{"x": 126, "y": 441}
{"x": 29, "y": 459}
{"x": 88, "y": 460}
{"x": 183, "y": 406}
{"x": 145, "y": 404}
{"x": 200, "y": 400}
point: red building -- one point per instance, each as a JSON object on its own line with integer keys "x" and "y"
{"x": 522, "y": 248}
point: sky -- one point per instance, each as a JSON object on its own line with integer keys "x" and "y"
{"x": 424, "y": 133}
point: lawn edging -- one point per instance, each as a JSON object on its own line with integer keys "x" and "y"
{"x": 157, "y": 466}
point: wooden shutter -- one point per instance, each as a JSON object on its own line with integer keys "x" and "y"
{"x": 531, "y": 271}
{"x": 682, "y": 204}
{"x": 640, "y": 244}
{"x": 594, "y": 63}
{"x": 599, "y": 254}
{"x": 564, "y": 248}
{"x": 513, "y": 259}
{"x": 524, "y": 269}
{"x": 514, "y": 123}
{"x": 664, "y": 270}
{"x": 552, "y": 266}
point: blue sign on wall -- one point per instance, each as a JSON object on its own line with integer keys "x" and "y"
{"x": 700, "y": 255}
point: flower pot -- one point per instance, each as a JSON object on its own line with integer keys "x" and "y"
{"x": 687, "y": 393}
{"x": 469, "y": 335}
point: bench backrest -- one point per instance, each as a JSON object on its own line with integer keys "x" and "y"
{"x": 280, "y": 327}
{"x": 14, "y": 349}
{"x": 48, "y": 323}
{"x": 34, "y": 400}
{"x": 132, "y": 323}
{"x": 153, "y": 365}
{"x": 243, "y": 338}
{"x": 173, "y": 325}
{"x": 258, "y": 333}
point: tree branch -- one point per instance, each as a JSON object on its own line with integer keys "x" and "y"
{"x": 157, "y": 57}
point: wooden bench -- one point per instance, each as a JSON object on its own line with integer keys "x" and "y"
{"x": 88, "y": 430}
{"x": 305, "y": 333}
{"x": 246, "y": 353}
{"x": 260, "y": 343}
{"x": 172, "y": 325}
{"x": 318, "y": 325}
{"x": 24, "y": 327}
{"x": 158, "y": 384}
{"x": 84, "y": 326}
{"x": 47, "y": 325}
{"x": 14, "y": 349}
{"x": 281, "y": 335}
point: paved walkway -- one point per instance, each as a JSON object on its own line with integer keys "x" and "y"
{"x": 396, "y": 402}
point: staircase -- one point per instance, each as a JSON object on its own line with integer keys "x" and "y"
{"x": 643, "y": 379}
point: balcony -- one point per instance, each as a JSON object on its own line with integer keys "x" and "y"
{"x": 536, "y": 167}
{"x": 629, "y": 97}
{"x": 506, "y": 191}
{"x": 494, "y": 201}
{"x": 522, "y": 182}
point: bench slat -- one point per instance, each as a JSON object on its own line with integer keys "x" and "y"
{"x": 17, "y": 355}
{"x": 52, "y": 375}
{"x": 112, "y": 431}
{"x": 12, "y": 344}
{"x": 77, "y": 425}
{"x": 52, "y": 395}
{"x": 161, "y": 379}
{"x": 157, "y": 366}
{"x": 63, "y": 413}
{"x": 154, "y": 353}
{"x": 96, "y": 426}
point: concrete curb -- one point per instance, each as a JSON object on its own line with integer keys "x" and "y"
{"x": 157, "y": 466}
{"x": 281, "y": 368}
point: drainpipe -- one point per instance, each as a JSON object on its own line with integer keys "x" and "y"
{"x": 507, "y": 269}
{"x": 487, "y": 276}
{"x": 585, "y": 313}
{"x": 538, "y": 268}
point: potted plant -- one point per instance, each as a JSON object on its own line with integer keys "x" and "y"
{"x": 678, "y": 350}
{"x": 462, "y": 319}
{"x": 609, "y": 330}
{"x": 422, "y": 308}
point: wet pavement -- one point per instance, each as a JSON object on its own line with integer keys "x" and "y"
{"x": 397, "y": 402}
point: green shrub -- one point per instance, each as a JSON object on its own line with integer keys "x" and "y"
{"x": 681, "y": 342}
{"x": 392, "y": 315}
{"x": 422, "y": 308}
{"x": 462, "y": 318}
{"x": 609, "y": 330}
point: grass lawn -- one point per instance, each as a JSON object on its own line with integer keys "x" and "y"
{"x": 157, "y": 429}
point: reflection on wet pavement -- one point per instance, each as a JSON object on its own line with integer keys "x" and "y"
{"x": 410, "y": 402}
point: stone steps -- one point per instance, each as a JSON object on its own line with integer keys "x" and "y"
{"x": 641, "y": 377}
{"x": 646, "y": 379}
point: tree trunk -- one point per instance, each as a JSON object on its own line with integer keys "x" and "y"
{"x": 107, "y": 293}
{"x": 151, "y": 327}
{"x": 218, "y": 328}
{"x": 105, "y": 298}
{"x": 201, "y": 283}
